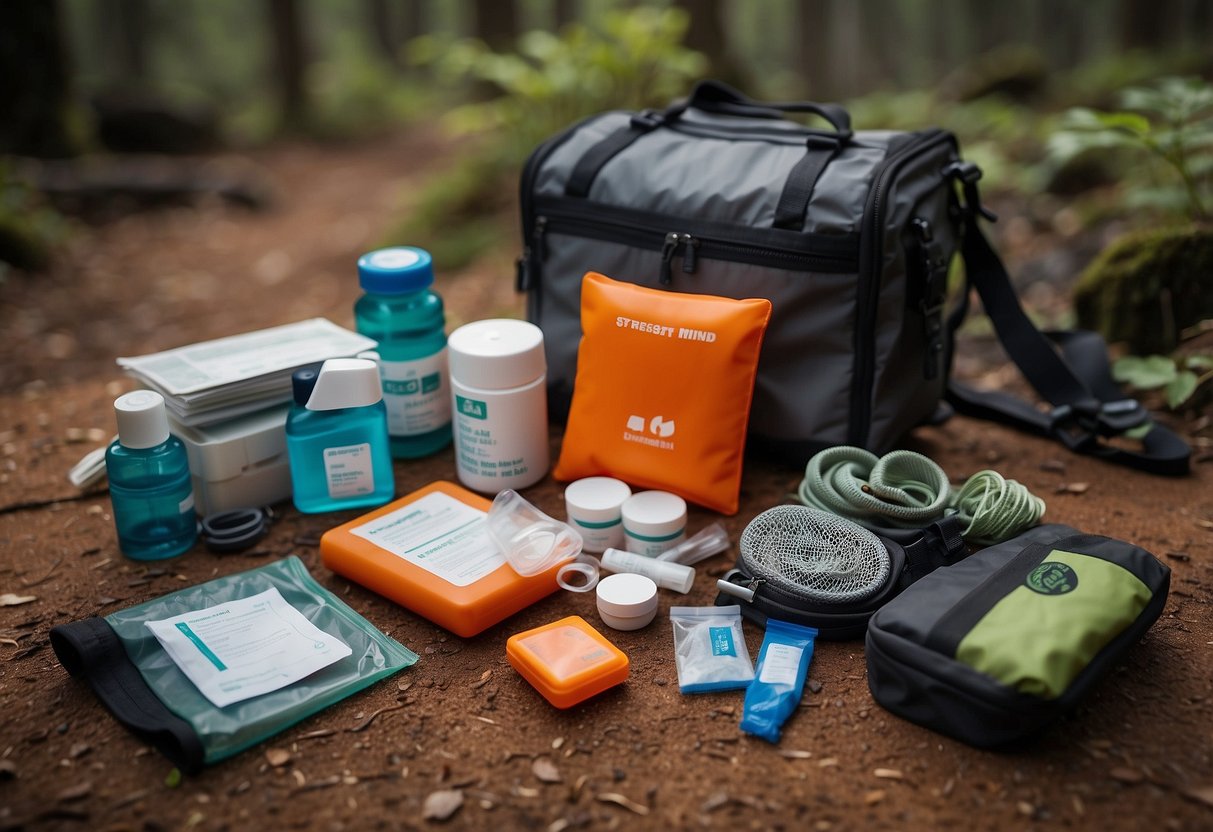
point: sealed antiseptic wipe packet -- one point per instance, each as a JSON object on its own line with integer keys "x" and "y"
{"x": 208, "y": 671}
{"x": 783, "y": 665}
{"x": 710, "y": 649}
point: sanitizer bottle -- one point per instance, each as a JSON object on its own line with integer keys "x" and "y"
{"x": 149, "y": 478}
{"x": 401, "y": 312}
{"x": 336, "y": 437}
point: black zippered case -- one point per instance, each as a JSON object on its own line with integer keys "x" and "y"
{"x": 849, "y": 234}
{"x": 992, "y": 649}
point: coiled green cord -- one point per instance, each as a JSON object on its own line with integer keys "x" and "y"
{"x": 905, "y": 489}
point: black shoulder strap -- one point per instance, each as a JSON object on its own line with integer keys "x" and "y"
{"x": 1068, "y": 369}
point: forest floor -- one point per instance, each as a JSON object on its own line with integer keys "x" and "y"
{"x": 1136, "y": 753}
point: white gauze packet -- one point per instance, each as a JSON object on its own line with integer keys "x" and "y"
{"x": 710, "y": 649}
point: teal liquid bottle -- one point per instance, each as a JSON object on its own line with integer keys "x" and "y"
{"x": 405, "y": 316}
{"x": 336, "y": 438}
{"x": 149, "y": 481}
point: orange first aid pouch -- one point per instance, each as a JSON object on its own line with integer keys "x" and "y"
{"x": 663, "y": 389}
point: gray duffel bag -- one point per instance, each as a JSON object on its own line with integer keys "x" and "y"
{"x": 849, "y": 234}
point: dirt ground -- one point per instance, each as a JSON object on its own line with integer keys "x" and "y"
{"x": 1137, "y": 752}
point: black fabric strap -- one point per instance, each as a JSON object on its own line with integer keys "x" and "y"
{"x": 798, "y": 190}
{"x": 90, "y": 649}
{"x": 1087, "y": 404}
{"x": 593, "y": 160}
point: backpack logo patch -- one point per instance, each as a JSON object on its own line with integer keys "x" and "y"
{"x": 1052, "y": 578}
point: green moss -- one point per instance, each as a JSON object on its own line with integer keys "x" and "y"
{"x": 1147, "y": 287}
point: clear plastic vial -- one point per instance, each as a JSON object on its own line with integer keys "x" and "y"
{"x": 401, "y": 312}
{"x": 149, "y": 480}
{"x": 336, "y": 438}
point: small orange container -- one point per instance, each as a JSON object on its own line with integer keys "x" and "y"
{"x": 567, "y": 661}
{"x": 430, "y": 552}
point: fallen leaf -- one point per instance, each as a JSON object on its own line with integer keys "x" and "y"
{"x": 484, "y": 678}
{"x": 77, "y": 792}
{"x": 545, "y": 770}
{"x": 442, "y": 805}
{"x": 1124, "y": 774}
{"x": 1073, "y": 488}
{"x": 620, "y": 800}
{"x": 277, "y": 757}
{"x": 8, "y": 599}
{"x": 888, "y": 774}
{"x": 714, "y": 802}
{"x": 873, "y": 797}
{"x": 173, "y": 779}
{"x": 827, "y": 762}
{"x": 793, "y": 754}
{"x": 1205, "y": 524}
{"x": 366, "y": 723}
{"x": 1025, "y": 808}
{"x": 1203, "y": 794}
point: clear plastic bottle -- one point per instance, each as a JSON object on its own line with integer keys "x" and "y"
{"x": 336, "y": 438}
{"x": 401, "y": 312}
{"x": 149, "y": 481}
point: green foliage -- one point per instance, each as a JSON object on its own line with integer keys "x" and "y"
{"x": 1178, "y": 377}
{"x": 1172, "y": 121}
{"x": 29, "y": 229}
{"x": 631, "y": 59}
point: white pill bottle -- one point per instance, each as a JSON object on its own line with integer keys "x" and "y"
{"x": 499, "y": 404}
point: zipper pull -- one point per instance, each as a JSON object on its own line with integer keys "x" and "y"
{"x": 690, "y": 254}
{"x": 668, "y": 248}
{"x": 540, "y": 232}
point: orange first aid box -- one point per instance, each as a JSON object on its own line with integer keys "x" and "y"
{"x": 431, "y": 552}
{"x": 567, "y": 661}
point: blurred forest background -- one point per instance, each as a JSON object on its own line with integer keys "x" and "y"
{"x": 1093, "y": 119}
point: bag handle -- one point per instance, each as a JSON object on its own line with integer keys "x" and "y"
{"x": 1068, "y": 369}
{"x": 716, "y": 97}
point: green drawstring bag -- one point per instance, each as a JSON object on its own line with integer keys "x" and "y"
{"x": 326, "y": 652}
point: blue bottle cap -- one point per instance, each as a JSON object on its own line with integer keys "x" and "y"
{"x": 303, "y": 381}
{"x": 396, "y": 271}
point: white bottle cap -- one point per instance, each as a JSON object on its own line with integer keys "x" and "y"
{"x": 496, "y": 354}
{"x": 345, "y": 382}
{"x": 626, "y": 601}
{"x": 655, "y": 513}
{"x": 142, "y": 421}
{"x": 596, "y": 499}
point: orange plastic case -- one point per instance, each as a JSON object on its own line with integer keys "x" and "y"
{"x": 567, "y": 661}
{"x": 430, "y": 552}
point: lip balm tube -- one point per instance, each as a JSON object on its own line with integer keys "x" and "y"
{"x": 667, "y": 575}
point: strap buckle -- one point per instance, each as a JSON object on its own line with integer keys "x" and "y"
{"x": 1098, "y": 418}
{"x": 648, "y": 120}
{"x": 968, "y": 175}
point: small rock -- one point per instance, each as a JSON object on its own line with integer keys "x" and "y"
{"x": 442, "y": 805}
{"x": 814, "y": 686}
{"x": 873, "y": 797}
{"x": 888, "y": 774}
{"x": 545, "y": 770}
{"x": 277, "y": 757}
{"x": 661, "y": 683}
{"x": 8, "y": 770}
{"x": 76, "y": 792}
{"x": 1025, "y": 808}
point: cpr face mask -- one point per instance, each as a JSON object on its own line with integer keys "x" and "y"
{"x": 209, "y": 671}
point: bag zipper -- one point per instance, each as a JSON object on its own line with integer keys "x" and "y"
{"x": 868, "y": 288}
{"x": 833, "y": 254}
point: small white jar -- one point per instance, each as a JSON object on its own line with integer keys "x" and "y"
{"x": 654, "y": 521}
{"x": 626, "y": 601}
{"x": 594, "y": 509}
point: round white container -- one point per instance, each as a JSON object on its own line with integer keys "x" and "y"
{"x": 626, "y": 601}
{"x": 499, "y": 401}
{"x": 593, "y": 505}
{"x": 654, "y": 521}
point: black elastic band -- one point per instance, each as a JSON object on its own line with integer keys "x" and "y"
{"x": 91, "y": 650}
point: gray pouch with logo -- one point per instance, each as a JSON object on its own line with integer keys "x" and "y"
{"x": 996, "y": 646}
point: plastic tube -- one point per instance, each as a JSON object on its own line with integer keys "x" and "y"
{"x": 707, "y": 542}
{"x": 673, "y": 576}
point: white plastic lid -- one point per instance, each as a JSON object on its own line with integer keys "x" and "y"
{"x": 627, "y": 596}
{"x": 142, "y": 420}
{"x": 655, "y": 513}
{"x": 596, "y": 499}
{"x": 345, "y": 382}
{"x": 496, "y": 354}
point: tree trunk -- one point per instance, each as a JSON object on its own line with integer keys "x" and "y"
{"x": 564, "y": 12}
{"x": 35, "y": 80}
{"x": 290, "y": 61}
{"x": 706, "y": 34}
{"x": 813, "y": 49}
{"x": 497, "y": 23}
